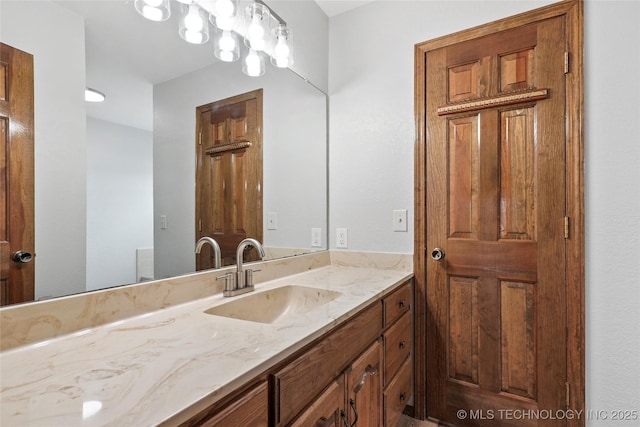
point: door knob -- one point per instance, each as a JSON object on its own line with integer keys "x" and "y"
{"x": 22, "y": 257}
{"x": 437, "y": 254}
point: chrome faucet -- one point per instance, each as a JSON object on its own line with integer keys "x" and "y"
{"x": 217, "y": 254}
{"x": 244, "y": 279}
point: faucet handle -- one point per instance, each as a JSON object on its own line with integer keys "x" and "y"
{"x": 248, "y": 276}
{"x": 228, "y": 281}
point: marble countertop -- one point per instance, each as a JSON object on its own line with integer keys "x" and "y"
{"x": 166, "y": 365}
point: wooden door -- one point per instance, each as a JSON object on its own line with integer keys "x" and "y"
{"x": 496, "y": 261}
{"x": 229, "y": 175}
{"x": 16, "y": 176}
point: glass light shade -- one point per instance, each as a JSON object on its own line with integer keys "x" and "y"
{"x": 256, "y": 26}
{"x": 226, "y": 46}
{"x": 194, "y": 25}
{"x": 224, "y": 14}
{"x": 154, "y": 10}
{"x": 225, "y": 8}
{"x": 253, "y": 64}
{"x": 282, "y": 49}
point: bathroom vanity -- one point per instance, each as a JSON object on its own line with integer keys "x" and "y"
{"x": 320, "y": 343}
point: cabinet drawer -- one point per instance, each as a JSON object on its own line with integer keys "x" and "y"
{"x": 397, "y": 394}
{"x": 326, "y": 409}
{"x": 249, "y": 410}
{"x": 300, "y": 381}
{"x": 396, "y": 303}
{"x": 397, "y": 345}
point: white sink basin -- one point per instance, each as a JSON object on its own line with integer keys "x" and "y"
{"x": 275, "y": 304}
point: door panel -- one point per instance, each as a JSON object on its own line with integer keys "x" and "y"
{"x": 16, "y": 175}
{"x": 495, "y": 205}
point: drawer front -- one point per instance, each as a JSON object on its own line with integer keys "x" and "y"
{"x": 397, "y": 303}
{"x": 397, "y": 345}
{"x": 249, "y": 410}
{"x": 304, "y": 378}
{"x": 397, "y": 394}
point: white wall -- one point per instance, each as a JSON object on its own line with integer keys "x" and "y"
{"x": 119, "y": 201}
{"x": 371, "y": 157}
{"x": 612, "y": 169}
{"x": 310, "y": 27}
{"x": 55, "y": 37}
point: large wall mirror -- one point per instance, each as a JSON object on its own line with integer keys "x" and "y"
{"x": 115, "y": 181}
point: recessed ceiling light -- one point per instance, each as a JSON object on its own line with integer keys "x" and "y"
{"x": 92, "y": 95}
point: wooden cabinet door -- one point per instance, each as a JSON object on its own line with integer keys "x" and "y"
{"x": 364, "y": 388}
{"x": 327, "y": 410}
{"x": 495, "y": 182}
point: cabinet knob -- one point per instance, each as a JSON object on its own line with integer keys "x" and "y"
{"x": 403, "y": 344}
{"x": 403, "y": 396}
{"x": 401, "y": 303}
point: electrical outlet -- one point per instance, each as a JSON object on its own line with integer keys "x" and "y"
{"x": 163, "y": 222}
{"x": 316, "y": 237}
{"x": 341, "y": 238}
{"x": 400, "y": 220}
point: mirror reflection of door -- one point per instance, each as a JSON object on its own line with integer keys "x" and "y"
{"x": 229, "y": 175}
{"x": 17, "y": 268}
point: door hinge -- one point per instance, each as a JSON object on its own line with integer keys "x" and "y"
{"x": 200, "y": 138}
{"x": 199, "y": 225}
{"x": 567, "y": 387}
{"x": 566, "y": 62}
{"x": 566, "y": 227}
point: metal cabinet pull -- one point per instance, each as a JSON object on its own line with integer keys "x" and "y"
{"x": 352, "y": 403}
{"x": 370, "y": 370}
{"x": 403, "y": 344}
{"x": 344, "y": 418}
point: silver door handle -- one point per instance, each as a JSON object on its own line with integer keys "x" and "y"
{"x": 22, "y": 257}
{"x": 437, "y": 254}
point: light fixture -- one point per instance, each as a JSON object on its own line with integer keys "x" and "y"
{"x": 253, "y": 64}
{"x": 92, "y": 95}
{"x": 223, "y": 16}
{"x": 253, "y": 26}
{"x": 257, "y": 25}
{"x": 282, "y": 56}
{"x": 155, "y": 10}
{"x": 194, "y": 24}
{"x": 226, "y": 47}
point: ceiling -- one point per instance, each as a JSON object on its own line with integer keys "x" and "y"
{"x": 336, "y": 7}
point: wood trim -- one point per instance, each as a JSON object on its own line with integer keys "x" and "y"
{"x": 494, "y": 101}
{"x": 575, "y": 272}
{"x": 220, "y": 149}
